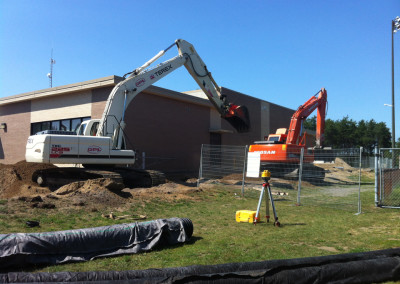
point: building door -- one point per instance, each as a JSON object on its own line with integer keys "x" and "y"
{"x": 215, "y": 138}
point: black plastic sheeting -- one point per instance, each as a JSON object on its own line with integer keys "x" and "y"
{"x": 368, "y": 267}
{"x": 24, "y": 249}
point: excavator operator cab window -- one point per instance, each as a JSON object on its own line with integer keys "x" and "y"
{"x": 81, "y": 129}
{"x": 93, "y": 129}
{"x": 274, "y": 138}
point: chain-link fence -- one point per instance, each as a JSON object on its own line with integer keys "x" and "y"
{"x": 218, "y": 162}
{"x": 336, "y": 178}
{"x": 333, "y": 178}
{"x": 389, "y": 178}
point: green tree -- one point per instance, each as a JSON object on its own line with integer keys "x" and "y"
{"x": 310, "y": 123}
{"x": 347, "y": 133}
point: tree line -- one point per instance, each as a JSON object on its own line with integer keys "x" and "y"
{"x": 348, "y": 133}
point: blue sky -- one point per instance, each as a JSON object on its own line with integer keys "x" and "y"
{"x": 279, "y": 51}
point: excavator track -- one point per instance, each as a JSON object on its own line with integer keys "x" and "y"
{"x": 132, "y": 178}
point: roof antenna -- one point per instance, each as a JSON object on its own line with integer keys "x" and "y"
{"x": 50, "y": 75}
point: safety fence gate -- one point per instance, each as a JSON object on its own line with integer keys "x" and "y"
{"x": 388, "y": 185}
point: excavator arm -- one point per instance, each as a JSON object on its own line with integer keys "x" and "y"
{"x": 112, "y": 121}
{"x": 318, "y": 101}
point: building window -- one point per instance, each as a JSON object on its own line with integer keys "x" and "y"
{"x": 64, "y": 125}
{"x": 55, "y": 125}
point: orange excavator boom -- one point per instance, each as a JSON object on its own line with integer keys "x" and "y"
{"x": 318, "y": 101}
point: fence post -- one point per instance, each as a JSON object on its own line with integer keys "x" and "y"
{"x": 359, "y": 183}
{"x": 244, "y": 168}
{"x": 300, "y": 176}
{"x": 201, "y": 166}
{"x": 376, "y": 175}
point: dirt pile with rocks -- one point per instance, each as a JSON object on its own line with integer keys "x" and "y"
{"x": 94, "y": 191}
{"x": 340, "y": 171}
{"x": 16, "y": 183}
{"x": 16, "y": 179}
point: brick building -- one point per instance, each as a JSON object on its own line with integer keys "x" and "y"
{"x": 168, "y": 126}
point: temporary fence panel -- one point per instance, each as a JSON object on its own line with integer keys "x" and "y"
{"x": 222, "y": 161}
{"x": 389, "y": 178}
{"x": 323, "y": 177}
{"x": 335, "y": 179}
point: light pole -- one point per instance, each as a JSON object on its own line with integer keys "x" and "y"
{"x": 395, "y": 28}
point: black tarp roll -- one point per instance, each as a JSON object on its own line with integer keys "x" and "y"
{"x": 22, "y": 249}
{"x": 368, "y": 267}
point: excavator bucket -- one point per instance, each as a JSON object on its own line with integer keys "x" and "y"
{"x": 238, "y": 117}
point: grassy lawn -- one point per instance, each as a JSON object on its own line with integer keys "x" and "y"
{"x": 305, "y": 230}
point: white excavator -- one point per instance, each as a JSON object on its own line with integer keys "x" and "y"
{"x": 101, "y": 142}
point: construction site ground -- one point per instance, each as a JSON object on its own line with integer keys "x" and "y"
{"x": 218, "y": 238}
{"x": 17, "y": 186}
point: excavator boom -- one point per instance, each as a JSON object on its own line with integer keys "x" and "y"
{"x": 318, "y": 102}
{"x": 112, "y": 121}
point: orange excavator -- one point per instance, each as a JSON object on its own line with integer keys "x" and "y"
{"x": 280, "y": 152}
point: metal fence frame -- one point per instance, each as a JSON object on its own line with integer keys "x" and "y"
{"x": 217, "y": 161}
{"x": 350, "y": 158}
{"x": 387, "y": 186}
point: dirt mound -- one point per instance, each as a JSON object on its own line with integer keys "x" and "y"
{"x": 98, "y": 191}
{"x": 16, "y": 184}
{"x": 90, "y": 186}
{"x": 168, "y": 191}
{"x": 16, "y": 179}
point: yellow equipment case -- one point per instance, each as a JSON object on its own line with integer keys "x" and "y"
{"x": 247, "y": 216}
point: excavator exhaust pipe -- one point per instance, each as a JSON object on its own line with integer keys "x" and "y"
{"x": 238, "y": 117}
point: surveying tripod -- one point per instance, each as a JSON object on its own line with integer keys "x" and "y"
{"x": 266, "y": 176}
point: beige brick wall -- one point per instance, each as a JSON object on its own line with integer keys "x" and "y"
{"x": 13, "y": 139}
{"x": 62, "y": 106}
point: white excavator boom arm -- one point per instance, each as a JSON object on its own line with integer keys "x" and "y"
{"x": 112, "y": 122}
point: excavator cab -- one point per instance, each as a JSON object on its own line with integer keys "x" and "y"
{"x": 238, "y": 117}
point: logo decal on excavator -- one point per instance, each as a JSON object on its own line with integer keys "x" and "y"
{"x": 165, "y": 69}
{"x": 57, "y": 150}
{"x": 94, "y": 149}
{"x": 265, "y": 152}
{"x": 140, "y": 82}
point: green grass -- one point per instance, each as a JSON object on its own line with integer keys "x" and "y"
{"x": 305, "y": 230}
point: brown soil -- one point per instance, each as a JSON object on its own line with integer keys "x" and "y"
{"x": 16, "y": 179}
{"x": 16, "y": 184}
{"x": 340, "y": 171}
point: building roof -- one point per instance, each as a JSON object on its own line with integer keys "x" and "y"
{"x": 195, "y": 97}
{"x": 96, "y": 83}
{"x": 109, "y": 81}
